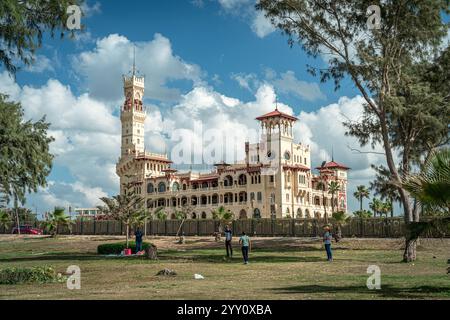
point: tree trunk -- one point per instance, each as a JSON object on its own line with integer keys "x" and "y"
{"x": 17, "y": 215}
{"x": 360, "y": 204}
{"x": 409, "y": 254}
{"x": 128, "y": 234}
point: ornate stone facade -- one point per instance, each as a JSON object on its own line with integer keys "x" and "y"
{"x": 275, "y": 179}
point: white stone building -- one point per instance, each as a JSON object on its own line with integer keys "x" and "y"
{"x": 275, "y": 180}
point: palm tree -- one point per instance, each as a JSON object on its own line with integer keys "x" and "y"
{"x": 362, "y": 214}
{"x": 386, "y": 207}
{"x": 5, "y": 219}
{"x": 333, "y": 188}
{"x": 361, "y": 193}
{"x": 160, "y": 214}
{"x": 431, "y": 187}
{"x": 123, "y": 207}
{"x": 376, "y": 205}
{"x": 55, "y": 219}
{"x": 321, "y": 186}
{"x": 384, "y": 188}
{"x": 222, "y": 214}
{"x": 340, "y": 218}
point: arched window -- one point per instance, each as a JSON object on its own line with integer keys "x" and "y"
{"x": 317, "y": 201}
{"x": 150, "y": 188}
{"x": 243, "y": 214}
{"x": 256, "y": 214}
{"x": 194, "y": 215}
{"x": 242, "y": 180}
{"x": 203, "y": 215}
{"x": 175, "y": 186}
{"x": 161, "y": 187}
{"x": 299, "y": 213}
{"x": 307, "y": 214}
{"x": 228, "y": 181}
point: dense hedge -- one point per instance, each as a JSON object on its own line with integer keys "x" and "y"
{"x": 116, "y": 248}
{"x": 28, "y": 275}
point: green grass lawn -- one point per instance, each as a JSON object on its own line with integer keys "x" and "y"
{"x": 280, "y": 268}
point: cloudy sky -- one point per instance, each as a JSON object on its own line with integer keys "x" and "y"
{"x": 209, "y": 64}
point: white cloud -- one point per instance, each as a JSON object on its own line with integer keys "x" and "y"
{"x": 102, "y": 68}
{"x": 289, "y": 84}
{"x": 86, "y": 146}
{"x": 261, "y": 25}
{"x": 40, "y": 64}
{"x": 286, "y": 83}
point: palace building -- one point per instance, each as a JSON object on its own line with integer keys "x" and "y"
{"x": 275, "y": 180}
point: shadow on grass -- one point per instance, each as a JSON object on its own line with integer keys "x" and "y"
{"x": 64, "y": 256}
{"x": 214, "y": 258}
{"x": 386, "y": 291}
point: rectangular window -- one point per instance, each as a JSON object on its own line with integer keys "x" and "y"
{"x": 259, "y": 196}
{"x": 272, "y": 178}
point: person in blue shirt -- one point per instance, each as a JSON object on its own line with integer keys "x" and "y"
{"x": 228, "y": 238}
{"x": 245, "y": 242}
{"x": 327, "y": 237}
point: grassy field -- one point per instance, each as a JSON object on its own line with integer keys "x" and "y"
{"x": 280, "y": 268}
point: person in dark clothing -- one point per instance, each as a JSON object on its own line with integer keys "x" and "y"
{"x": 228, "y": 238}
{"x": 138, "y": 234}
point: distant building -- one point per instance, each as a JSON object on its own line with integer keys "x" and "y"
{"x": 85, "y": 213}
{"x": 274, "y": 181}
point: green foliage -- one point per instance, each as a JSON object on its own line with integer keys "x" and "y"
{"x": 117, "y": 248}
{"x": 55, "y": 219}
{"x": 431, "y": 187}
{"x": 340, "y": 217}
{"x": 333, "y": 188}
{"x": 5, "y": 219}
{"x": 222, "y": 214}
{"x": 362, "y": 214}
{"x": 25, "y": 161}
{"x": 179, "y": 215}
{"x": 22, "y": 25}
{"x": 41, "y": 274}
{"x": 361, "y": 193}
{"x": 160, "y": 214}
{"x": 376, "y": 206}
{"x": 125, "y": 207}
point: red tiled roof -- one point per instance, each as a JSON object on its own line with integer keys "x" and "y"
{"x": 332, "y": 165}
{"x": 296, "y": 167}
{"x": 276, "y": 113}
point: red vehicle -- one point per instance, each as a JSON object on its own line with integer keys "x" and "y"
{"x": 27, "y": 229}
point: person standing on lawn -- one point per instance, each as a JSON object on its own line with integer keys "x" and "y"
{"x": 327, "y": 237}
{"x": 138, "y": 234}
{"x": 228, "y": 238}
{"x": 246, "y": 244}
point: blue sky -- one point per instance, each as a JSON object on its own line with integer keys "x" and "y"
{"x": 204, "y": 61}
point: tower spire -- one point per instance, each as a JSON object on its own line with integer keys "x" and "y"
{"x": 332, "y": 154}
{"x": 134, "y": 59}
{"x": 276, "y": 103}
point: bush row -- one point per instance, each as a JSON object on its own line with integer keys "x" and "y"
{"x": 116, "y": 248}
{"x": 28, "y": 275}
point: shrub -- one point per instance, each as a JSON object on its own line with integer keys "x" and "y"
{"x": 116, "y": 248}
{"x": 28, "y": 275}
